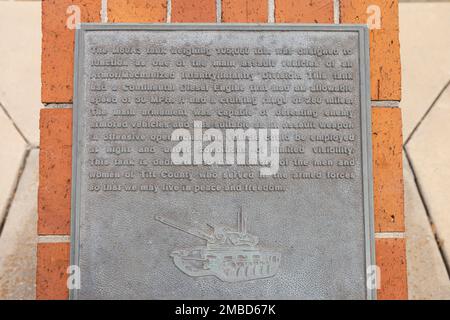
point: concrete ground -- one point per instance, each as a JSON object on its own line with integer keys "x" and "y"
{"x": 425, "y": 49}
{"x": 425, "y": 46}
{"x": 20, "y": 48}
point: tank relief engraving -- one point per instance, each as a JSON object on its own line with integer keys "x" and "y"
{"x": 230, "y": 255}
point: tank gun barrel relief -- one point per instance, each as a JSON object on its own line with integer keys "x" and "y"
{"x": 230, "y": 255}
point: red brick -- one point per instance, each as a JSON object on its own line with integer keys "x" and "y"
{"x": 137, "y": 10}
{"x": 388, "y": 169}
{"x": 384, "y": 45}
{"x": 58, "y": 46}
{"x": 304, "y": 11}
{"x": 244, "y": 11}
{"x": 55, "y": 172}
{"x": 391, "y": 258}
{"x": 51, "y": 273}
{"x": 193, "y": 11}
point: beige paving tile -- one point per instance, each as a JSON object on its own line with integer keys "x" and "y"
{"x": 12, "y": 150}
{"x": 425, "y": 53}
{"x": 427, "y": 276}
{"x": 430, "y": 157}
{"x": 20, "y": 54}
{"x": 18, "y": 239}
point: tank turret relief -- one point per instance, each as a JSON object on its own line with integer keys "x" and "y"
{"x": 230, "y": 255}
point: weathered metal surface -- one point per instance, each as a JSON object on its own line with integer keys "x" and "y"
{"x": 144, "y": 227}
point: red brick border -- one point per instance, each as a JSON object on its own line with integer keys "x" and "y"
{"x": 387, "y": 142}
{"x": 252, "y": 11}
{"x": 384, "y": 44}
{"x": 58, "y": 45}
{"x": 193, "y": 11}
{"x": 391, "y": 258}
{"x": 137, "y": 11}
{"x": 304, "y": 11}
{"x": 55, "y": 124}
{"x": 55, "y": 172}
{"x": 51, "y": 276}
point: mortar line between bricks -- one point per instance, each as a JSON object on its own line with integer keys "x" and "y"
{"x": 271, "y": 11}
{"x": 58, "y": 105}
{"x": 218, "y": 11}
{"x": 169, "y": 11}
{"x": 14, "y": 190}
{"x": 385, "y": 103}
{"x": 389, "y": 235}
{"x": 427, "y": 211}
{"x": 427, "y": 113}
{"x": 337, "y": 11}
{"x": 53, "y": 239}
{"x": 14, "y": 124}
{"x": 104, "y": 12}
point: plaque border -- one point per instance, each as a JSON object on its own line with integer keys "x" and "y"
{"x": 365, "y": 105}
